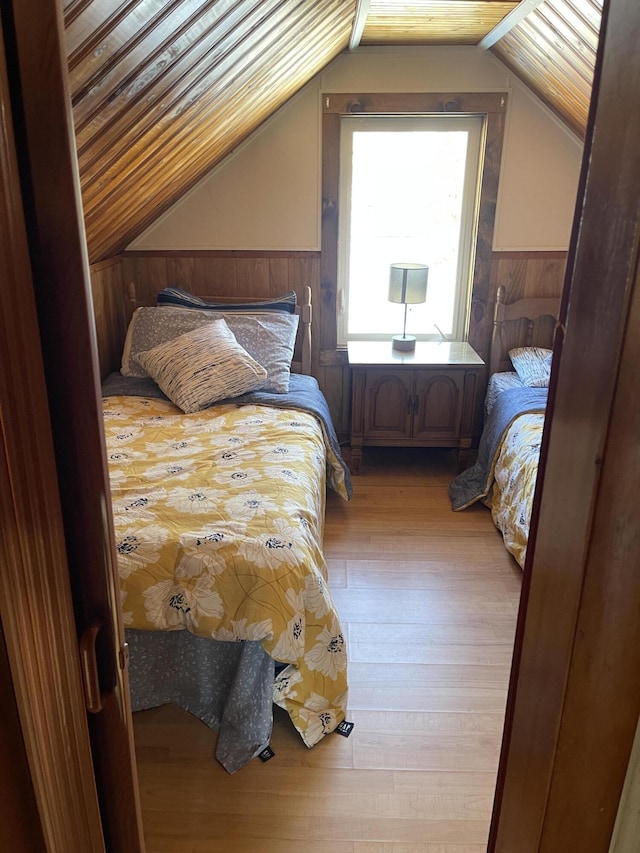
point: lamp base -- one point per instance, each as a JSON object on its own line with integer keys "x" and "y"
{"x": 406, "y": 343}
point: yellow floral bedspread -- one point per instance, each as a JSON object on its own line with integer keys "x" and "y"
{"x": 515, "y": 479}
{"x": 218, "y": 521}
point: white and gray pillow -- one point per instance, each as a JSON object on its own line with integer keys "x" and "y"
{"x": 203, "y": 366}
{"x": 533, "y": 365}
{"x": 268, "y": 336}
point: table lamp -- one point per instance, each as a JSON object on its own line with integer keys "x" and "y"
{"x": 408, "y": 286}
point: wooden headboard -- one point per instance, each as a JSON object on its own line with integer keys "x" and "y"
{"x": 526, "y": 322}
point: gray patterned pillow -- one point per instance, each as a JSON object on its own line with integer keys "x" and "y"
{"x": 150, "y": 327}
{"x": 268, "y": 337}
{"x": 533, "y": 365}
{"x": 202, "y": 366}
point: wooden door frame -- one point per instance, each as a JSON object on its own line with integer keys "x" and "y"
{"x": 47, "y": 171}
{"x": 549, "y": 690}
{"x": 574, "y": 697}
{"x": 35, "y": 592}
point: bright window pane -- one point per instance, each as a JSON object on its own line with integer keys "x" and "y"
{"x": 406, "y": 204}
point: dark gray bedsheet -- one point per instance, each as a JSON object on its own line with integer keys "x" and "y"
{"x": 474, "y": 483}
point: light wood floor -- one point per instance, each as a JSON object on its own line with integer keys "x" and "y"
{"x": 428, "y": 600}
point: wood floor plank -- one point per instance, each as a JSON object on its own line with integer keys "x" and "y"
{"x": 409, "y": 751}
{"x": 453, "y": 700}
{"x": 407, "y": 675}
{"x": 414, "y": 575}
{"x": 241, "y": 845}
{"x": 428, "y": 600}
{"x": 469, "y": 630}
{"x": 418, "y": 605}
{"x": 363, "y": 648}
{"x": 384, "y": 847}
{"x": 306, "y": 829}
{"x": 416, "y": 723}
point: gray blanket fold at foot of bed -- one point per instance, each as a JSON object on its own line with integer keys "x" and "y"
{"x": 474, "y": 483}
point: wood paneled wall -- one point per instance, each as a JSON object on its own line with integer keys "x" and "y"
{"x": 523, "y": 274}
{"x": 265, "y": 274}
{"x": 112, "y": 310}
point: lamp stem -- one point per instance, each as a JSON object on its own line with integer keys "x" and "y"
{"x": 404, "y": 328}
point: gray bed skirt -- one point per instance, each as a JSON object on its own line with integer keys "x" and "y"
{"x": 229, "y": 686}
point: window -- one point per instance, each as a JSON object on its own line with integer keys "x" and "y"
{"x": 490, "y": 108}
{"x": 409, "y": 192}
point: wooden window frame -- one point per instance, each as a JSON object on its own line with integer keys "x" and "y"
{"x": 492, "y": 106}
{"x": 473, "y": 126}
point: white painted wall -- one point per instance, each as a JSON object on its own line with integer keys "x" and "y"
{"x": 266, "y": 195}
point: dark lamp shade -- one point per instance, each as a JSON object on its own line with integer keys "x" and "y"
{"x": 408, "y": 283}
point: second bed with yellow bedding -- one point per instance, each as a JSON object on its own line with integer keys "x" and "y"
{"x": 504, "y": 475}
{"x": 515, "y": 475}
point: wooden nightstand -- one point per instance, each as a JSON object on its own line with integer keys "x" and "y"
{"x": 425, "y": 398}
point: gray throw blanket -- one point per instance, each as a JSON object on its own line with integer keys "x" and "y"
{"x": 475, "y": 483}
{"x": 304, "y": 395}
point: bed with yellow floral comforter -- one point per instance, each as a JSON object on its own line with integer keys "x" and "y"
{"x": 218, "y": 520}
{"x": 504, "y": 474}
{"x": 515, "y": 475}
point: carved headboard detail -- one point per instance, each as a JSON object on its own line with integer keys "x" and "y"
{"x": 526, "y": 322}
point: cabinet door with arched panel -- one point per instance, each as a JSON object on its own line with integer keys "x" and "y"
{"x": 388, "y": 409}
{"x": 438, "y": 398}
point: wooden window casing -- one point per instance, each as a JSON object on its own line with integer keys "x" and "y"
{"x": 492, "y": 106}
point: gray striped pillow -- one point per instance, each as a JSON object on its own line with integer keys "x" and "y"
{"x": 203, "y": 366}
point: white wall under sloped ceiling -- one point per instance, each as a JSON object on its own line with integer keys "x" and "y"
{"x": 266, "y": 194}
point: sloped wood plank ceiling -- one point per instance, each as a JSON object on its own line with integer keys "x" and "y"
{"x": 553, "y": 50}
{"x": 163, "y": 90}
{"x": 432, "y": 21}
